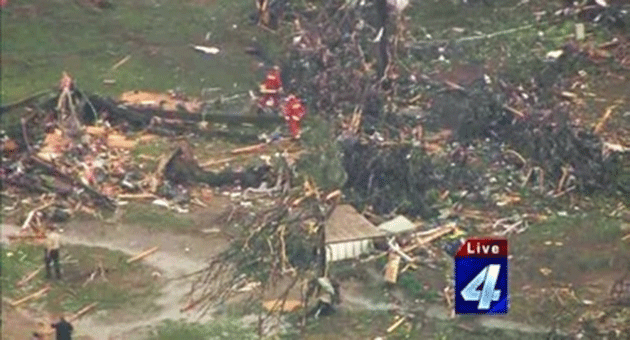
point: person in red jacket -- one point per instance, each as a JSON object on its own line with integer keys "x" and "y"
{"x": 294, "y": 111}
{"x": 271, "y": 88}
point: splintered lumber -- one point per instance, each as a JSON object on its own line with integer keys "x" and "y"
{"x": 396, "y": 324}
{"x": 514, "y": 111}
{"x": 29, "y": 277}
{"x": 334, "y": 194}
{"x": 430, "y": 237}
{"x": 75, "y": 316}
{"x": 247, "y": 149}
{"x": 391, "y": 269}
{"x": 121, "y": 62}
{"x": 82, "y": 312}
{"x": 22, "y": 237}
{"x": 605, "y": 117}
{"x": 142, "y": 255}
{"x": 287, "y": 306}
{"x": 31, "y": 214}
{"x": 53, "y": 171}
{"x": 30, "y": 297}
{"x": 118, "y": 141}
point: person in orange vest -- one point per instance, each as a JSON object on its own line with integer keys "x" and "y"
{"x": 271, "y": 88}
{"x": 294, "y": 111}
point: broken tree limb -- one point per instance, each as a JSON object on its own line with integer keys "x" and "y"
{"x": 30, "y": 297}
{"x": 29, "y": 277}
{"x": 24, "y": 101}
{"x": 143, "y": 255}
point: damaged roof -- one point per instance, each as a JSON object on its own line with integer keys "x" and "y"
{"x": 346, "y": 224}
{"x": 398, "y": 225}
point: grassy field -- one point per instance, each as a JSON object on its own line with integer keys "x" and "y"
{"x": 157, "y": 218}
{"x": 40, "y": 39}
{"x": 125, "y": 286}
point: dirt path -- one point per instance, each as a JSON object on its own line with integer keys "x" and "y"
{"x": 178, "y": 255}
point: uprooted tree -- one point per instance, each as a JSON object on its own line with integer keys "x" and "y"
{"x": 272, "y": 246}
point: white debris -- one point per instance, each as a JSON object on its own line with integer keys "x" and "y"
{"x": 206, "y": 50}
{"x": 553, "y": 55}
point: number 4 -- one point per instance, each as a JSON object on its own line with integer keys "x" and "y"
{"x": 488, "y": 278}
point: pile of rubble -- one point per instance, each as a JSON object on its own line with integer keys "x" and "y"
{"x": 77, "y": 153}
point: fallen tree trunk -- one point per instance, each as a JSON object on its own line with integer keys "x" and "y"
{"x": 145, "y": 115}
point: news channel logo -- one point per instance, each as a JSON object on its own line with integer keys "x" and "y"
{"x": 481, "y": 277}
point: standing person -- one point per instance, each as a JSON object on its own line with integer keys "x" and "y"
{"x": 53, "y": 243}
{"x": 271, "y": 88}
{"x": 294, "y": 111}
{"x": 63, "y": 329}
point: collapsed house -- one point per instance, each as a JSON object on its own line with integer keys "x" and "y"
{"x": 349, "y": 234}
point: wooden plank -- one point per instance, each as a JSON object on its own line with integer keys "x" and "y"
{"x": 391, "y": 269}
{"x": 396, "y": 324}
{"x": 247, "y": 149}
{"x": 602, "y": 121}
{"x": 289, "y": 305}
{"x": 143, "y": 255}
{"x": 82, "y": 312}
{"x": 75, "y": 316}
{"x": 29, "y": 277}
{"x": 31, "y": 297}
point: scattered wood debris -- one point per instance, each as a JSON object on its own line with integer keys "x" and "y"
{"x": 29, "y": 277}
{"x": 33, "y": 296}
{"x": 143, "y": 255}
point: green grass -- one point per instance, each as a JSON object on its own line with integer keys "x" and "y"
{"x": 412, "y": 285}
{"x": 128, "y": 286}
{"x": 156, "y": 218}
{"x": 219, "y": 330}
{"x": 64, "y": 36}
{"x": 518, "y": 55}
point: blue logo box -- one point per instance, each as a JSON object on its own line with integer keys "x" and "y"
{"x": 481, "y": 277}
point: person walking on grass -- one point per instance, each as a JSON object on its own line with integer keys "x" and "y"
{"x": 63, "y": 329}
{"x": 51, "y": 255}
